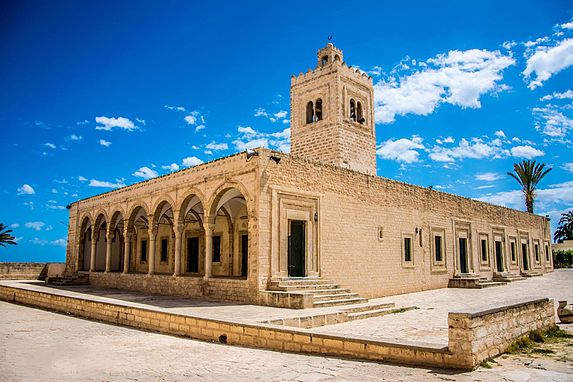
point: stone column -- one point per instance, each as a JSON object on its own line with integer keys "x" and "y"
{"x": 93, "y": 252}
{"x": 151, "y": 258}
{"x": 108, "y": 251}
{"x": 178, "y": 231}
{"x": 126, "y": 249}
{"x": 208, "y": 249}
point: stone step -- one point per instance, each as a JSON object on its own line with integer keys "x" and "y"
{"x": 507, "y": 278}
{"x": 377, "y": 313}
{"x": 367, "y": 307}
{"x": 327, "y": 297}
{"x": 302, "y": 281}
{"x": 531, "y": 274}
{"x": 327, "y": 303}
{"x": 302, "y": 288}
{"x": 489, "y": 284}
{"x": 326, "y": 291}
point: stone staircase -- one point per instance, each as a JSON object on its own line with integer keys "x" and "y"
{"x": 531, "y": 273}
{"x": 324, "y": 293}
{"x": 473, "y": 281}
{"x": 76, "y": 279}
{"x": 506, "y": 277}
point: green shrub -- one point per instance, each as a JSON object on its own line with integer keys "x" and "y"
{"x": 563, "y": 259}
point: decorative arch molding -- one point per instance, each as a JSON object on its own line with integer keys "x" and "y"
{"x": 101, "y": 216}
{"x": 161, "y": 199}
{"x": 157, "y": 209}
{"x": 86, "y": 215}
{"x": 188, "y": 195}
{"x": 218, "y": 193}
{"x": 134, "y": 206}
{"x": 114, "y": 214}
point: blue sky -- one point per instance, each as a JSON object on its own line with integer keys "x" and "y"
{"x": 97, "y": 95}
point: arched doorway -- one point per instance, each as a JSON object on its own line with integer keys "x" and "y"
{"x": 164, "y": 239}
{"x": 117, "y": 242}
{"x": 84, "y": 253}
{"x": 99, "y": 235}
{"x": 138, "y": 230}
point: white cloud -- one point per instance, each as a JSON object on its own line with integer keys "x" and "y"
{"x": 485, "y": 186}
{"x": 145, "y": 173}
{"x": 191, "y": 161}
{"x": 104, "y": 143}
{"x": 199, "y": 128}
{"x": 75, "y": 137}
{"x": 250, "y": 139}
{"x": 459, "y": 78}
{"x": 553, "y": 195}
{"x": 475, "y": 148}
{"x": 551, "y": 121}
{"x": 50, "y": 145}
{"x": 142, "y": 121}
{"x": 84, "y": 122}
{"x": 500, "y": 134}
{"x": 15, "y": 225}
{"x": 29, "y": 204}
{"x": 488, "y": 176}
{"x": 101, "y": 183}
{"x": 273, "y": 117}
{"x": 26, "y": 189}
{"x": 568, "y": 25}
{"x": 565, "y": 95}
{"x": 191, "y": 119}
{"x": 42, "y": 242}
{"x": 177, "y": 108}
{"x": 35, "y": 225}
{"x": 55, "y": 207}
{"x": 172, "y": 167}
{"x": 401, "y": 150}
{"x": 54, "y": 191}
{"x": 108, "y": 124}
{"x": 567, "y": 166}
{"x": 82, "y": 179}
{"x": 217, "y": 146}
{"x": 547, "y": 61}
{"x": 527, "y": 152}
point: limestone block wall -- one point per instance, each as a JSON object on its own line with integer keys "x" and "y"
{"x": 482, "y": 334}
{"x": 363, "y": 221}
{"x": 21, "y": 271}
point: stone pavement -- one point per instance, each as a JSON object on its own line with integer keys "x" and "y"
{"x": 42, "y": 346}
{"x": 427, "y": 325}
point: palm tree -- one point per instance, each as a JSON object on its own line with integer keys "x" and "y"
{"x": 5, "y": 237}
{"x": 564, "y": 228}
{"x": 528, "y": 174}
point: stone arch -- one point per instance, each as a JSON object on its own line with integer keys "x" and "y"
{"x": 84, "y": 243}
{"x": 309, "y": 112}
{"x": 359, "y": 113}
{"x": 318, "y": 110}
{"x": 191, "y": 218}
{"x": 228, "y": 216}
{"x": 99, "y": 235}
{"x": 163, "y": 229}
{"x": 116, "y": 230}
{"x": 190, "y": 195}
{"x": 219, "y": 191}
{"x": 352, "y": 113}
{"x": 137, "y": 227}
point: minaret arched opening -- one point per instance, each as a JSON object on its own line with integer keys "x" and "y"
{"x": 359, "y": 114}
{"x": 318, "y": 110}
{"x": 352, "y": 110}
{"x": 309, "y": 112}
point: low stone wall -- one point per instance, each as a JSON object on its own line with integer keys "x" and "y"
{"x": 486, "y": 333}
{"x": 229, "y": 289}
{"x": 20, "y": 271}
{"x": 473, "y": 336}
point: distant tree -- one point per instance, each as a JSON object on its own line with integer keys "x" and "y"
{"x": 528, "y": 174}
{"x": 5, "y": 237}
{"x": 564, "y": 228}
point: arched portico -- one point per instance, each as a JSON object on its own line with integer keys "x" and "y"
{"x": 84, "y": 247}
{"x": 136, "y": 233}
{"x": 98, "y": 245}
{"x": 115, "y": 243}
{"x": 161, "y": 240}
{"x": 227, "y": 234}
{"x": 190, "y": 237}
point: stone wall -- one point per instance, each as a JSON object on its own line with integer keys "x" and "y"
{"x": 229, "y": 289}
{"x": 482, "y": 334}
{"x": 21, "y": 271}
{"x": 363, "y": 220}
{"x": 473, "y": 336}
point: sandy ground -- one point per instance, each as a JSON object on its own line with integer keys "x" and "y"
{"x": 37, "y": 345}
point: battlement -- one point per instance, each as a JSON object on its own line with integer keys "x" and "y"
{"x": 320, "y": 71}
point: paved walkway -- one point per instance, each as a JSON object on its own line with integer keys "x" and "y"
{"x": 426, "y": 325}
{"x": 36, "y": 345}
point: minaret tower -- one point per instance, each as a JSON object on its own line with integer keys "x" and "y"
{"x": 332, "y": 114}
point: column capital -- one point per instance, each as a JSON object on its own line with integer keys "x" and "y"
{"x": 178, "y": 228}
{"x": 208, "y": 227}
{"x": 152, "y": 230}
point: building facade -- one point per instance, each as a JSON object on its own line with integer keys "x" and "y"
{"x": 237, "y": 227}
